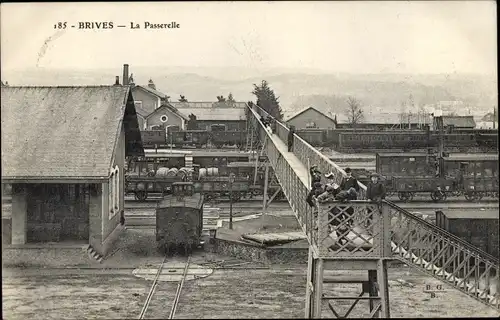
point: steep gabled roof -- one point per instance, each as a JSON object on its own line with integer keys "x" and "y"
{"x": 152, "y": 91}
{"x": 304, "y": 110}
{"x": 169, "y": 107}
{"x": 64, "y": 132}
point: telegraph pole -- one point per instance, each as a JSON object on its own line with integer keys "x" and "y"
{"x": 231, "y": 180}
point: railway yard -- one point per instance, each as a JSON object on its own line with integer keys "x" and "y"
{"x": 130, "y": 283}
{"x": 135, "y": 280}
{"x": 238, "y": 232}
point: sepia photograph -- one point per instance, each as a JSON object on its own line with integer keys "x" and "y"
{"x": 249, "y": 159}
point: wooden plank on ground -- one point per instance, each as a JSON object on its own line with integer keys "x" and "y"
{"x": 275, "y": 238}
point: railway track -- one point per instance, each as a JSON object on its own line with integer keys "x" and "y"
{"x": 284, "y": 206}
{"x": 154, "y": 287}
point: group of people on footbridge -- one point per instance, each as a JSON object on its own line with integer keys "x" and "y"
{"x": 349, "y": 188}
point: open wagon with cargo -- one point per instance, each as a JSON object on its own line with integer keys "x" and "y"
{"x": 150, "y": 176}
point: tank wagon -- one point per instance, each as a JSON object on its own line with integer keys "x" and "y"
{"x": 145, "y": 177}
{"x": 150, "y": 176}
{"x": 179, "y": 219}
{"x": 407, "y": 174}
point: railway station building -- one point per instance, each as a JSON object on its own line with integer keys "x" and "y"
{"x": 166, "y": 116}
{"x": 63, "y": 153}
{"x": 312, "y": 118}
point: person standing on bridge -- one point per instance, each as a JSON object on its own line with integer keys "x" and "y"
{"x": 315, "y": 175}
{"x": 291, "y": 132}
{"x": 316, "y": 186}
{"x": 375, "y": 191}
{"x": 349, "y": 182}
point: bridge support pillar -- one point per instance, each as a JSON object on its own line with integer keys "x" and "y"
{"x": 264, "y": 193}
{"x": 371, "y": 275}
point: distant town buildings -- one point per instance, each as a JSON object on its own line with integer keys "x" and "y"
{"x": 155, "y": 111}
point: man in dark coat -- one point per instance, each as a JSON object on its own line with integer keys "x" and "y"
{"x": 291, "y": 132}
{"x": 316, "y": 186}
{"x": 375, "y": 191}
{"x": 315, "y": 175}
{"x": 349, "y": 182}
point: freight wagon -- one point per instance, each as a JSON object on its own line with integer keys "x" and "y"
{"x": 179, "y": 219}
{"x": 384, "y": 140}
{"x": 228, "y": 138}
{"x": 348, "y": 140}
{"x": 407, "y": 174}
{"x": 174, "y": 137}
{"x": 196, "y": 138}
{"x": 478, "y": 227}
{"x": 216, "y": 187}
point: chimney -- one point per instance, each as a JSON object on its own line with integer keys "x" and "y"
{"x": 125, "y": 74}
{"x": 117, "y": 81}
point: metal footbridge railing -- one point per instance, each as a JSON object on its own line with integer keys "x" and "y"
{"x": 361, "y": 228}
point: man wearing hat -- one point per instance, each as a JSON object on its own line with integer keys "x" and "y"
{"x": 349, "y": 181}
{"x": 375, "y": 191}
{"x": 315, "y": 175}
{"x": 331, "y": 189}
{"x": 291, "y": 132}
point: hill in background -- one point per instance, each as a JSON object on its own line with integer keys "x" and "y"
{"x": 297, "y": 89}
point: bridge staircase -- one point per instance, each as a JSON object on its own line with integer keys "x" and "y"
{"x": 377, "y": 233}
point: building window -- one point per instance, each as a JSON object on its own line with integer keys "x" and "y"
{"x": 311, "y": 125}
{"x": 114, "y": 192}
{"x": 138, "y": 103}
{"x": 164, "y": 118}
{"x": 111, "y": 194}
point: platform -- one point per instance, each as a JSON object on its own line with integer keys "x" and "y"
{"x": 231, "y": 243}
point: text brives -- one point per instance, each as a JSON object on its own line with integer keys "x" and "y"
{"x": 95, "y": 25}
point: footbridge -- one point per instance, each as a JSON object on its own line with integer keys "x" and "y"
{"x": 375, "y": 234}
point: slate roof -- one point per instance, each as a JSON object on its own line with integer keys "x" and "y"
{"x": 457, "y": 121}
{"x": 171, "y": 108}
{"x": 61, "y": 132}
{"x": 152, "y": 91}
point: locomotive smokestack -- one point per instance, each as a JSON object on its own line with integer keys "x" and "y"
{"x": 125, "y": 74}
{"x": 117, "y": 81}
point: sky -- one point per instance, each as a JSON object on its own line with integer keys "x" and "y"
{"x": 353, "y": 37}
